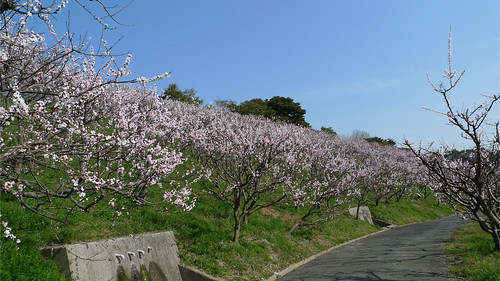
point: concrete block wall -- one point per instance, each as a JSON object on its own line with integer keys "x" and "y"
{"x": 152, "y": 255}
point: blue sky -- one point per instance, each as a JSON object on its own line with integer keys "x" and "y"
{"x": 353, "y": 65}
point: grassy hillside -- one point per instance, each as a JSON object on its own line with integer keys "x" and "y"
{"x": 472, "y": 254}
{"x": 409, "y": 211}
{"x": 203, "y": 235}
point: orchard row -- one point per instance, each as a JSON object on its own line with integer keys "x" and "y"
{"x": 75, "y": 133}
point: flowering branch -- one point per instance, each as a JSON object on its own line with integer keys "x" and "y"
{"x": 470, "y": 181}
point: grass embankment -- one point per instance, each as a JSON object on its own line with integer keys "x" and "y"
{"x": 472, "y": 254}
{"x": 203, "y": 236}
{"x": 409, "y": 211}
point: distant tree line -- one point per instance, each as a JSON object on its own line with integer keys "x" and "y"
{"x": 173, "y": 92}
{"x": 277, "y": 108}
{"x": 381, "y": 141}
{"x": 362, "y": 135}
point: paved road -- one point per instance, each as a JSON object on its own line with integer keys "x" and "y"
{"x": 412, "y": 252}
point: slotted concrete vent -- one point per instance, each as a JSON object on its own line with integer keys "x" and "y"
{"x": 152, "y": 257}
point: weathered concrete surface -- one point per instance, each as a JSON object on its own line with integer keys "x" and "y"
{"x": 412, "y": 252}
{"x": 193, "y": 274}
{"x": 382, "y": 223}
{"x": 364, "y": 213}
{"x": 124, "y": 258}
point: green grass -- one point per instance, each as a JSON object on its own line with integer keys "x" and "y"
{"x": 25, "y": 263}
{"x": 472, "y": 254}
{"x": 203, "y": 235}
{"x": 410, "y": 211}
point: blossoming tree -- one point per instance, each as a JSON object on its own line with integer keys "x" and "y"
{"x": 249, "y": 161}
{"x": 326, "y": 178}
{"x": 71, "y": 135}
{"x": 471, "y": 182}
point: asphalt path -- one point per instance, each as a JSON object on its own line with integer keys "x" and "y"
{"x": 412, "y": 252}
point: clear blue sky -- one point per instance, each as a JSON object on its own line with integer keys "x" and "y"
{"x": 353, "y": 65}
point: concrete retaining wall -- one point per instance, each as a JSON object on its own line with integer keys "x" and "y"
{"x": 153, "y": 255}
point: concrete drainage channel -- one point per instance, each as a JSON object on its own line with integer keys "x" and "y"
{"x": 144, "y": 257}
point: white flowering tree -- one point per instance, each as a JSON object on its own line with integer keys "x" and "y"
{"x": 72, "y": 135}
{"x": 472, "y": 181}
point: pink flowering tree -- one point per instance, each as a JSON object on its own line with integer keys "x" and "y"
{"x": 367, "y": 178}
{"x": 470, "y": 182}
{"x": 71, "y": 134}
{"x": 409, "y": 178}
{"x": 400, "y": 173}
{"x": 384, "y": 172}
{"x": 249, "y": 161}
{"x": 366, "y": 173}
{"x": 325, "y": 179}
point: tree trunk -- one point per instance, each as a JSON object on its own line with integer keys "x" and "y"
{"x": 357, "y": 210}
{"x": 237, "y": 227}
{"x": 301, "y": 221}
{"x": 490, "y": 227}
{"x": 495, "y": 234}
{"x": 496, "y": 239}
{"x": 236, "y": 235}
{"x": 297, "y": 224}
